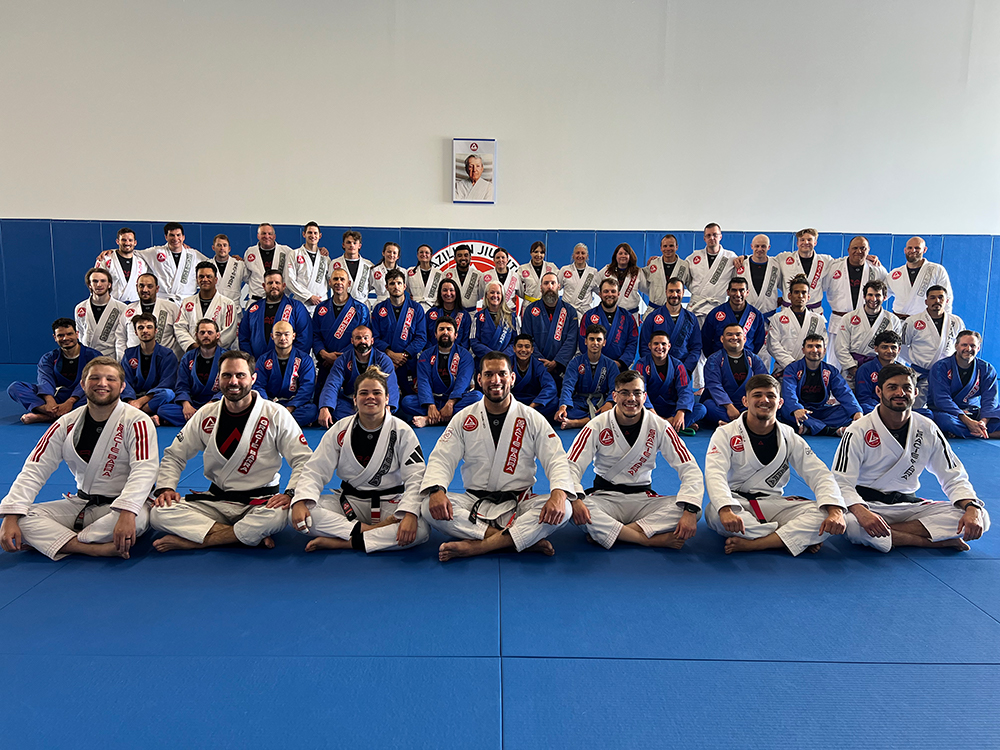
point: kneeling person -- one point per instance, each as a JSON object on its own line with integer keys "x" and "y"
{"x": 806, "y": 386}
{"x": 287, "y": 376}
{"x": 150, "y": 369}
{"x": 380, "y": 464}
{"x": 498, "y": 438}
{"x": 109, "y": 510}
{"x": 533, "y": 384}
{"x": 243, "y": 438}
{"x": 623, "y": 444}
{"x": 746, "y": 469}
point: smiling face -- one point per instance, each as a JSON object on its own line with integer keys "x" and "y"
{"x": 857, "y": 252}
{"x": 897, "y": 393}
{"x": 629, "y": 399}
{"x": 390, "y": 255}
{"x": 494, "y": 296}
{"x": 66, "y": 338}
{"x": 370, "y": 397}
{"x": 100, "y": 284}
{"x": 207, "y": 281}
{"x": 538, "y": 256}
{"x": 523, "y": 350}
{"x": 462, "y": 258}
{"x": 474, "y": 168}
{"x": 175, "y": 240}
{"x": 496, "y": 380}
{"x": 236, "y": 380}
{"x": 103, "y": 385}
{"x": 659, "y": 347}
{"x": 265, "y": 237}
{"x": 148, "y": 288}
{"x": 762, "y": 403}
{"x": 126, "y": 243}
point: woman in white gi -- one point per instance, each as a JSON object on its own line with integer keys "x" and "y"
{"x": 111, "y": 449}
{"x": 746, "y": 469}
{"x": 380, "y": 465}
{"x": 390, "y": 256}
{"x": 624, "y": 266}
{"x": 623, "y": 444}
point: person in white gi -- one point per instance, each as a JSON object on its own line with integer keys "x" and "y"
{"x": 173, "y": 263}
{"x": 806, "y": 262}
{"x": 423, "y": 279}
{"x": 232, "y": 270}
{"x": 530, "y": 273}
{"x": 662, "y": 268}
{"x": 359, "y": 270}
{"x": 929, "y": 337}
{"x": 911, "y": 282}
{"x": 243, "y": 438}
{"x": 151, "y": 303}
{"x": 624, "y": 268}
{"x": 790, "y": 325}
{"x": 711, "y": 269}
{"x": 763, "y": 275}
{"x": 579, "y": 281}
{"x": 110, "y": 447}
{"x": 207, "y": 303}
{"x": 855, "y": 340}
{"x": 101, "y": 318}
{"x": 469, "y": 279}
{"x": 380, "y": 464}
{"x": 845, "y": 284}
{"x": 623, "y": 444}
{"x": 508, "y": 278}
{"x": 390, "y": 256}
{"x": 475, "y": 188}
{"x": 125, "y": 267}
{"x": 264, "y": 256}
{"x": 498, "y": 438}
{"x": 311, "y": 270}
{"x": 746, "y": 469}
{"x": 878, "y": 466}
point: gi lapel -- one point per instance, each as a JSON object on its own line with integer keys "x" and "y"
{"x": 110, "y": 448}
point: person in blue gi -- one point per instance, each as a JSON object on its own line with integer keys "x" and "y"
{"x": 444, "y": 380}
{"x": 533, "y": 385}
{"x": 621, "y": 331}
{"x": 333, "y": 324}
{"x": 589, "y": 381}
{"x": 679, "y": 324}
{"x": 448, "y": 303}
{"x": 150, "y": 369}
{"x": 736, "y": 310}
{"x": 287, "y": 376}
{"x": 399, "y": 329}
{"x": 552, "y": 324}
{"x": 336, "y": 400}
{"x": 668, "y": 386}
{"x": 726, "y": 374}
{"x": 255, "y": 327}
{"x": 887, "y": 345}
{"x": 197, "y": 378}
{"x": 963, "y": 398}
{"x": 806, "y": 386}
{"x": 493, "y": 327}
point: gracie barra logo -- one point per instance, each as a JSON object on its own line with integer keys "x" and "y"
{"x": 789, "y": 261}
{"x": 872, "y": 439}
{"x": 482, "y": 257}
{"x": 658, "y": 319}
{"x": 134, "y": 363}
{"x": 696, "y": 259}
{"x": 855, "y": 320}
{"x": 607, "y": 437}
{"x": 470, "y": 423}
{"x": 207, "y": 424}
{"x": 525, "y": 273}
{"x": 784, "y": 319}
{"x": 920, "y": 325}
{"x": 836, "y": 274}
{"x": 116, "y": 446}
{"x": 896, "y": 275}
{"x": 567, "y": 274}
{"x": 81, "y": 312}
{"x": 268, "y": 364}
{"x": 161, "y": 257}
{"x": 736, "y": 443}
{"x": 536, "y": 312}
{"x": 189, "y": 306}
{"x": 517, "y": 436}
{"x": 258, "y": 437}
{"x": 720, "y": 316}
{"x": 383, "y": 313}
{"x": 251, "y": 258}
{"x": 340, "y": 438}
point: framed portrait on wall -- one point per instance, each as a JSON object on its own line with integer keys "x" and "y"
{"x": 474, "y": 177}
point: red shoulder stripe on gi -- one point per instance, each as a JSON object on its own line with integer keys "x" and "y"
{"x": 577, "y": 447}
{"x": 141, "y": 441}
{"x": 36, "y": 456}
{"x": 679, "y": 448}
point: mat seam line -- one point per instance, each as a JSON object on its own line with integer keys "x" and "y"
{"x": 38, "y": 583}
{"x": 765, "y": 661}
{"x": 500, "y": 643}
{"x": 952, "y": 588}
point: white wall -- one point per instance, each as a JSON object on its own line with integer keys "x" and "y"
{"x": 870, "y": 115}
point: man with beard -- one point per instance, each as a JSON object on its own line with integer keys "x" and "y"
{"x": 806, "y": 388}
{"x": 930, "y": 337}
{"x": 286, "y": 376}
{"x": 336, "y": 400}
{"x": 533, "y": 385}
{"x": 790, "y": 325}
{"x": 911, "y": 283}
{"x": 878, "y": 466}
{"x": 805, "y": 261}
{"x": 108, "y": 511}
{"x": 255, "y": 327}
{"x": 746, "y": 469}
{"x": 151, "y": 303}
{"x": 846, "y": 284}
{"x": 662, "y": 269}
{"x": 668, "y": 386}
{"x": 125, "y": 267}
{"x": 58, "y": 387}
{"x": 621, "y": 332}
{"x": 268, "y": 255}
{"x": 726, "y": 374}
{"x": 422, "y": 280}
{"x": 100, "y": 319}
{"x": 333, "y": 323}
{"x": 232, "y": 270}
{"x": 197, "y": 378}
{"x": 737, "y": 311}
{"x": 579, "y": 280}
{"x": 444, "y": 380}
{"x": 399, "y": 328}
{"x": 173, "y": 263}
{"x": 207, "y": 303}
{"x": 469, "y": 279}
{"x": 243, "y": 439}
{"x": 380, "y": 464}
{"x": 622, "y": 505}
{"x": 150, "y": 369}
{"x": 679, "y": 324}
{"x": 551, "y": 322}
{"x": 498, "y": 439}
{"x": 855, "y": 339}
{"x": 963, "y": 399}
{"x": 887, "y": 346}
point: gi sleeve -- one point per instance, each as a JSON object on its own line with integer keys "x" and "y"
{"x": 842, "y": 342}
{"x": 547, "y": 386}
{"x": 317, "y": 326}
{"x": 581, "y": 454}
{"x": 307, "y": 383}
{"x": 460, "y": 383}
{"x": 144, "y": 459}
{"x": 717, "y": 464}
{"x": 334, "y": 382}
{"x": 418, "y": 332}
{"x": 167, "y": 367}
{"x": 809, "y": 467}
{"x": 303, "y": 327}
{"x": 190, "y": 441}
{"x": 46, "y": 375}
{"x": 790, "y": 388}
{"x": 570, "y": 377}
{"x": 182, "y": 390}
{"x": 843, "y": 394}
{"x": 685, "y": 392}
{"x": 320, "y": 468}
{"x": 550, "y": 453}
{"x": 989, "y": 405}
{"x": 847, "y": 465}
{"x": 713, "y": 381}
{"x": 42, "y": 461}
{"x": 245, "y": 334}
{"x": 673, "y": 449}
{"x": 950, "y": 472}
{"x": 646, "y": 333}
{"x": 444, "y": 459}
{"x": 632, "y": 342}
{"x": 412, "y": 468}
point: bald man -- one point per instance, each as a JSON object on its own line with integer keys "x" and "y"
{"x": 909, "y": 283}
{"x": 287, "y": 376}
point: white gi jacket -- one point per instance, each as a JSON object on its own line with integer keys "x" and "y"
{"x": 870, "y": 456}
{"x": 284, "y": 256}
{"x": 856, "y": 336}
{"x": 425, "y": 294}
{"x": 530, "y": 283}
{"x": 231, "y": 283}
{"x": 123, "y": 464}
{"x": 122, "y": 289}
{"x": 708, "y": 285}
{"x": 785, "y": 335}
{"x": 732, "y": 466}
{"x": 510, "y": 285}
{"x": 222, "y": 310}
{"x": 176, "y": 280}
{"x": 911, "y": 299}
{"x": 311, "y": 278}
{"x": 360, "y": 286}
{"x": 378, "y": 283}
{"x": 271, "y": 434}
{"x": 791, "y": 266}
{"x": 602, "y": 442}
{"x": 471, "y": 290}
{"x": 106, "y": 335}
{"x": 397, "y": 460}
{"x": 923, "y": 344}
{"x": 838, "y": 285}
{"x": 578, "y": 291}
{"x": 165, "y": 313}
{"x": 507, "y": 467}
{"x": 656, "y": 280}
{"x": 767, "y": 300}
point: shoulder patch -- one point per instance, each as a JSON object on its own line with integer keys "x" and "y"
{"x": 736, "y": 443}
{"x": 470, "y": 423}
{"x": 872, "y": 440}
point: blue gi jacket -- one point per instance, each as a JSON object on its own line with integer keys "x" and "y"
{"x": 253, "y": 337}
{"x": 721, "y": 386}
{"x": 431, "y": 389}
{"x": 49, "y": 378}
{"x": 189, "y": 387}
{"x": 295, "y": 388}
{"x": 622, "y": 339}
{"x": 340, "y": 383}
{"x": 667, "y": 393}
{"x": 684, "y": 335}
{"x": 555, "y": 337}
{"x": 162, "y": 372}
{"x": 407, "y": 333}
{"x": 535, "y": 387}
{"x": 751, "y": 319}
{"x": 947, "y": 394}
{"x": 833, "y": 382}
{"x": 333, "y": 333}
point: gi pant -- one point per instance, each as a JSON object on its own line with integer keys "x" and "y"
{"x": 796, "y": 520}
{"x": 697, "y": 413}
{"x": 193, "y": 519}
{"x": 26, "y": 394}
{"x": 714, "y": 413}
{"x": 173, "y": 413}
{"x": 49, "y": 526}
{"x": 410, "y": 406}
{"x": 939, "y": 517}
{"x": 330, "y": 520}
{"x": 952, "y": 424}
{"x": 823, "y": 415}
{"x": 610, "y": 511}
{"x": 522, "y": 523}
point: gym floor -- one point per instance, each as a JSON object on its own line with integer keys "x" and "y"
{"x": 591, "y": 648}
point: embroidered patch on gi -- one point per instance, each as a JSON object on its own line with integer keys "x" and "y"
{"x": 607, "y": 437}
{"x": 872, "y": 439}
{"x": 736, "y": 443}
{"x": 470, "y": 424}
{"x": 207, "y": 424}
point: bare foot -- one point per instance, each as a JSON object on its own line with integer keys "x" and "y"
{"x": 267, "y": 542}
{"x": 325, "y": 542}
{"x": 172, "y": 542}
{"x": 448, "y": 550}
{"x": 545, "y": 547}
{"x": 814, "y": 548}
{"x": 668, "y": 540}
{"x": 954, "y": 544}
{"x": 420, "y": 422}
{"x": 738, "y": 544}
{"x": 32, "y": 418}
{"x": 156, "y": 420}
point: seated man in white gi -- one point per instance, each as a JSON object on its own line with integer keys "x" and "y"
{"x": 111, "y": 449}
{"x": 243, "y": 438}
{"x": 929, "y": 337}
{"x": 380, "y": 465}
{"x": 855, "y": 337}
{"x": 746, "y": 469}
{"x": 498, "y": 438}
{"x": 878, "y": 466}
{"x": 963, "y": 400}
{"x": 623, "y": 444}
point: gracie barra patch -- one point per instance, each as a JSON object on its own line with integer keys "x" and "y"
{"x": 383, "y": 312}
{"x": 161, "y": 257}
{"x": 896, "y": 275}
{"x": 607, "y": 437}
{"x": 789, "y": 261}
{"x": 855, "y": 320}
{"x": 696, "y": 260}
{"x": 254, "y": 308}
{"x": 340, "y": 438}
{"x": 720, "y": 316}
{"x": 920, "y": 325}
{"x": 784, "y": 319}
{"x": 189, "y": 306}
{"x": 872, "y": 439}
{"x": 268, "y": 364}
{"x": 567, "y": 274}
{"x": 736, "y": 443}
{"x": 525, "y": 273}
{"x": 81, "y": 312}
{"x": 658, "y": 319}
{"x": 836, "y": 274}
{"x": 207, "y": 424}
{"x": 251, "y": 258}
{"x": 594, "y": 318}
{"x": 302, "y": 439}
{"x": 470, "y": 423}
{"x": 536, "y": 312}
{"x": 133, "y": 363}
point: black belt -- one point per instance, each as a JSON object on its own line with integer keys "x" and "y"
{"x": 373, "y": 496}
{"x": 888, "y": 498}
{"x": 482, "y": 496}
{"x": 258, "y": 496}
{"x": 92, "y": 500}
{"x": 603, "y": 485}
